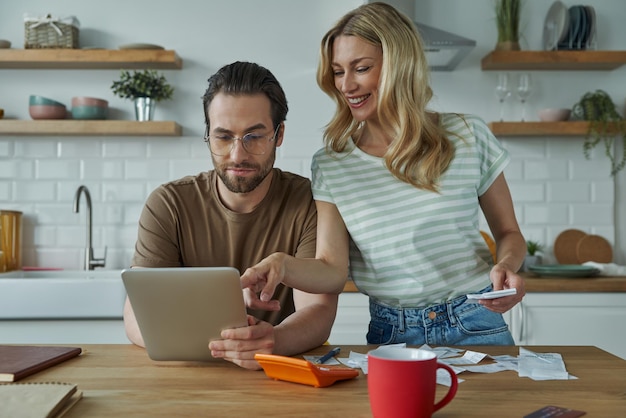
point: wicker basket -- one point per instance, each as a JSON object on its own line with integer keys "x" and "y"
{"x": 49, "y": 32}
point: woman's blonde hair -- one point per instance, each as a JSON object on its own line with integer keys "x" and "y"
{"x": 420, "y": 151}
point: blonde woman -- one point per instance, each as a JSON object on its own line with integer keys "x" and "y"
{"x": 408, "y": 185}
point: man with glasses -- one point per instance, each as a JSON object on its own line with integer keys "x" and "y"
{"x": 237, "y": 214}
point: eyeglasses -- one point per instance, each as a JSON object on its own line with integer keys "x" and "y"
{"x": 222, "y": 144}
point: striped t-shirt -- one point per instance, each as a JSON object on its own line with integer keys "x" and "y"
{"x": 412, "y": 247}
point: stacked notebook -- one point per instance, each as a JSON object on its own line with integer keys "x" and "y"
{"x": 34, "y": 399}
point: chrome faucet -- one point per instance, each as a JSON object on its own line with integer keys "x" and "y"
{"x": 90, "y": 261}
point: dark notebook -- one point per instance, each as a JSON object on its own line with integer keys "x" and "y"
{"x": 19, "y": 361}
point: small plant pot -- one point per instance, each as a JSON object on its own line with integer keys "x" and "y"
{"x": 144, "y": 108}
{"x": 531, "y": 260}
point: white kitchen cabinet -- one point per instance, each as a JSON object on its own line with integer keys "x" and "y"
{"x": 352, "y": 320}
{"x": 597, "y": 319}
{"x": 63, "y": 331}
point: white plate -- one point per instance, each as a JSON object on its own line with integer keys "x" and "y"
{"x": 141, "y": 46}
{"x": 555, "y": 26}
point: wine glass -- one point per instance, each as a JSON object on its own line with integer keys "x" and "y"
{"x": 503, "y": 91}
{"x": 524, "y": 89}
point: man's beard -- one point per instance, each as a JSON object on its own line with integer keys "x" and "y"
{"x": 244, "y": 184}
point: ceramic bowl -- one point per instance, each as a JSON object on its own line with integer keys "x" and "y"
{"x": 554, "y": 115}
{"x": 47, "y": 112}
{"x": 5, "y": 44}
{"x": 40, "y": 100}
{"x": 88, "y": 101}
{"x": 89, "y": 112}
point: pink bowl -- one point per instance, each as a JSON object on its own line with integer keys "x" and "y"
{"x": 554, "y": 115}
{"x": 47, "y": 112}
{"x": 88, "y": 101}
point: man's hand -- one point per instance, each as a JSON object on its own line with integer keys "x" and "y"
{"x": 239, "y": 345}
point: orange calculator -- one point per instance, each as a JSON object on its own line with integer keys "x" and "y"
{"x": 302, "y": 371}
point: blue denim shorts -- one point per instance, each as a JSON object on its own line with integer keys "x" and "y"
{"x": 451, "y": 323}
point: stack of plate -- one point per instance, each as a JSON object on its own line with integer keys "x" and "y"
{"x": 564, "y": 270}
{"x": 569, "y": 29}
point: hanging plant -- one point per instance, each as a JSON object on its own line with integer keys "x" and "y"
{"x": 606, "y": 125}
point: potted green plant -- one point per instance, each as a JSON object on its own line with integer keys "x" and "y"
{"x": 532, "y": 257}
{"x": 145, "y": 88}
{"x": 507, "y": 22}
{"x": 606, "y": 125}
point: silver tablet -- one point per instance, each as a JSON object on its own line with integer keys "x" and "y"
{"x": 179, "y": 310}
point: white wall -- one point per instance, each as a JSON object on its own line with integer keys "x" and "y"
{"x": 553, "y": 186}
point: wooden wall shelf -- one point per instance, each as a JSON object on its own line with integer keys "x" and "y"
{"x": 539, "y": 128}
{"x": 89, "y": 128}
{"x": 90, "y": 59}
{"x": 553, "y": 60}
{"x": 566, "y": 128}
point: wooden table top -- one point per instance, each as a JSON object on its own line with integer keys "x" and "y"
{"x": 535, "y": 284}
{"x": 121, "y": 381}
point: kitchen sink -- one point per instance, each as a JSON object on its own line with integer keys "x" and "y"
{"x": 95, "y": 294}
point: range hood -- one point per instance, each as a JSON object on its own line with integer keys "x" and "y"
{"x": 444, "y": 50}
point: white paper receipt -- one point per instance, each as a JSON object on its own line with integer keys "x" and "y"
{"x": 493, "y": 295}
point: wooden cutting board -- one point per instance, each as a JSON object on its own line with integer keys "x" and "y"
{"x": 594, "y": 248}
{"x": 566, "y": 244}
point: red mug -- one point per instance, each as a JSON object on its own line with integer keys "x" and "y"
{"x": 402, "y": 382}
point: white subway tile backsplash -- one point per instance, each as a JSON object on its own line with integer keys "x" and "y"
{"x": 102, "y": 170}
{"x": 87, "y": 147}
{"x": 568, "y": 192}
{"x": 6, "y": 148}
{"x": 594, "y": 169}
{"x": 8, "y": 169}
{"x": 525, "y": 148}
{"x": 113, "y": 214}
{"x": 150, "y": 168}
{"x": 75, "y": 236}
{"x": 546, "y": 214}
{"x": 603, "y": 192}
{"x": 566, "y": 148}
{"x": 44, "y": 236}
{"x": 593, "y": 215}
{"x": 67, "y": 191}
{"x": 548, "y": 170}
{"x": 122, "y": 148}
{"x": 186, "y": 167}
{"x": 132, "y": 212}
{"x": 6, "y": 194}
{"x": 55, "y": 214}
{"x": 514, "y": 171}
{"x": 35, "y": 148}
{"x": 549, "y": 194}
{"x": 57, "y": 169}
{"x": 295, "y": 166}
{"x": 65, "y": 258}
{"x": 35, "y": 191}
{"x": 17, "y": 169}
{"x": 128, "y": 191}
{"x": 174, "y": 148}
{"x": 527, "y": 191}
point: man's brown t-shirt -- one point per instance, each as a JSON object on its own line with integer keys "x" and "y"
{"x": 184, "y": 223}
